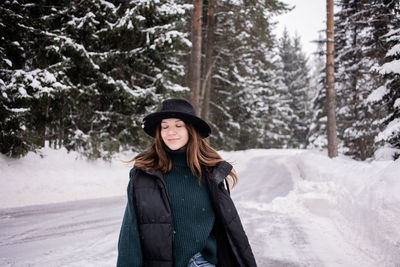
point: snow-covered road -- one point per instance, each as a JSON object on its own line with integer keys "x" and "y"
{"x": 79, "y": 233}
{"x": 295, "y": 211}
{"x": 263, "y": 180}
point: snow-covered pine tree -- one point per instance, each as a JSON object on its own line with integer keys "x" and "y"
{"x": 29, "y": 77}
{"x": 317, "y": 135}
{"x": 82, "y": 75}
{"x": 295, "y": 77}
{"x": 360, "y": 46}
{"x": 139, "y": 68}
{"x": 277, "y": 112}
{"x": 388, "y": 95}
{"x": 354, "y": 81}
{"x": 243, "y": 68}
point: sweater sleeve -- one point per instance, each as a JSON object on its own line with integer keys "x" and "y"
{"x": 129, "y": 250}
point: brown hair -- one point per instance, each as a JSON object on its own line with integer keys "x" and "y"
{"x": 198, "y": 153}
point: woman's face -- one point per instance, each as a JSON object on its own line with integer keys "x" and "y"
{"x": 174, "y": 133}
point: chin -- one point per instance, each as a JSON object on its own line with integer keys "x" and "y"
{"x": 174, "y": 147}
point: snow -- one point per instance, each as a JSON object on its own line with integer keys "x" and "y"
{"x": 66, "y": 41}
{"x": 43, "y": 81}
{"x": 392, "y": 33}
{"x": 298, "y": 207}
{"x": 173, "y": 8}
{"x": 17, "y": 110}
{"x": 386, "y": 152}
{"x": 108, "y": 4}
{"x": 396, "y": 103}
{"x": 53, "y": 176}
{"x": 9, "y": 63}
{"x": 176, "y": 87}
{"x": 394, "y": 51}
{"x": 80, "y": 22}
{"x": 392, "y": 129}
{"x": 377, "y": 94}
{"x": 23, "y": 92}
{"x": 391, "y": 67}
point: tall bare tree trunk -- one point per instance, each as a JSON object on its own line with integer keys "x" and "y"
{"x": 330, "y": 89}
{"x": 195, "y": 60}
{"x": 209, "y": 59}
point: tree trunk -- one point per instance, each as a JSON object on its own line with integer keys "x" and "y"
{"x": 363, "y": 150}
{"x": 41, "y": 122}
{"x": 360, "y": 142}
{"x": 209, "y": 59}
{"x": 195, "y": 62}
{"x": 330, "y": 89}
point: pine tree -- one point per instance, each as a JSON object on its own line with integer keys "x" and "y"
{"x": 350, "y": 81}
{"x": 388, "y": 95}
{"x": 277, "y": 114}
{"x": 361, "y": 24}
{"x": 295, "y": 77}
{"x": 317, "y": 137}
{"x": 243, "y": 42}
{"x": 88, "y": 71}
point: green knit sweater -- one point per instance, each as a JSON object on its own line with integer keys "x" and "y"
{"x": 192, "y": 212}
{"x": 193, "y": 219}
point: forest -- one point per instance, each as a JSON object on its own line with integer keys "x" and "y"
{"x": 82, "y": 75}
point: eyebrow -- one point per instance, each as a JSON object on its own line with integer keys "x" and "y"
{"x": 178, "y": 120}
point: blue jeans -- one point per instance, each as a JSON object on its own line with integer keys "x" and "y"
{"x": 198, "y": 261}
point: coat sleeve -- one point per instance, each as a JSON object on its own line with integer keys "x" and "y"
{"x": 129, "y": 250}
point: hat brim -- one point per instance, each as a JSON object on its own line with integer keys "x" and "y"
{"x": 151, "y": 121}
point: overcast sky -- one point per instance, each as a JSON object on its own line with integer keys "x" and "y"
{"x": 307, "y": 18}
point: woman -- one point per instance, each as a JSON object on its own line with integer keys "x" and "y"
{"x": 179, "y": 212}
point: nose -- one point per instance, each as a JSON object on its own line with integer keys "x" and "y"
{"x": 171, "y": 131}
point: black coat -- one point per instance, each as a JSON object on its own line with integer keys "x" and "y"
{"x": 155, "y": 219}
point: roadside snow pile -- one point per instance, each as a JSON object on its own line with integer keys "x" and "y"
{"x": 52, "y": 176}
{"x": 362, "y": 199}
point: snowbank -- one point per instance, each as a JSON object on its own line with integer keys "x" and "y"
{"x": 53, "y": 176}
{"x": 360, "y": 199}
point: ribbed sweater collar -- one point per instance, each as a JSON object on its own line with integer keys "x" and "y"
{"x": 178, "y": 157}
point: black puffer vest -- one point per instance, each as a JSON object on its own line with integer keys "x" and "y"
{"x": 155, "y": 219}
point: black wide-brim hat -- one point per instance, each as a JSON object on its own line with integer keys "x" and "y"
{"x": 175, "y": 108}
